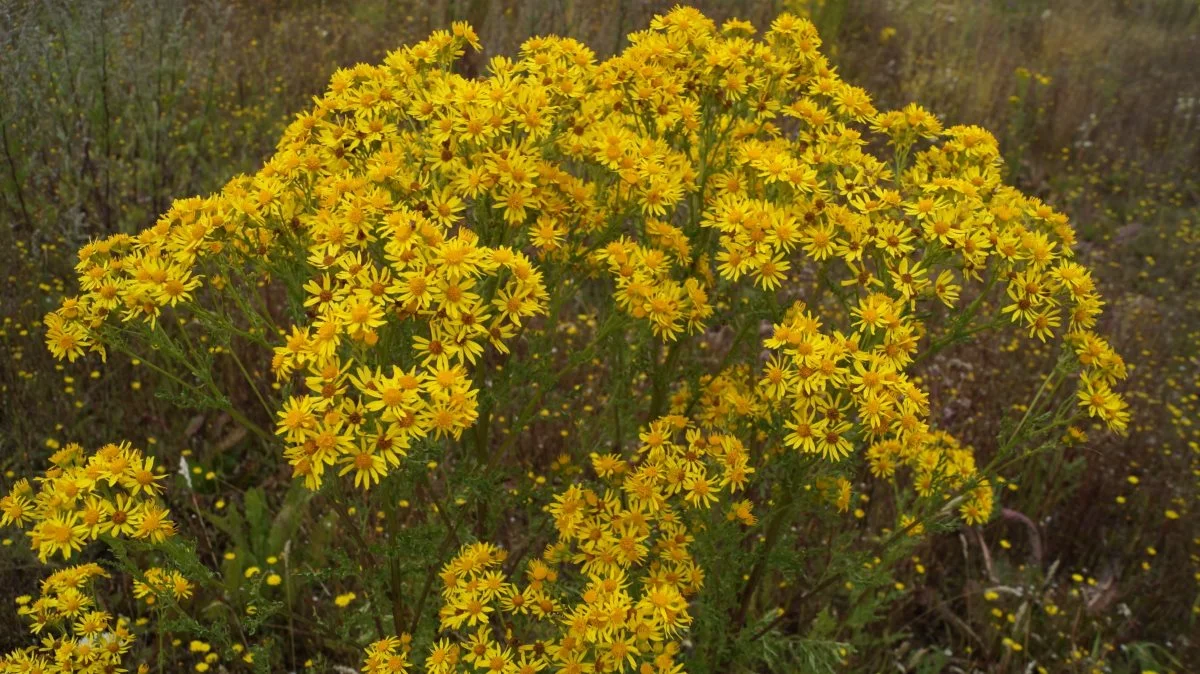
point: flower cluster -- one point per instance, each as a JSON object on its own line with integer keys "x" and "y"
{"x": 77, "y": 636}
{"x": 388, "y": 656}
{"x": 723, "y": 400}
{"x": 158, "y": 582}
{"x": 373, "y": 208}
{"x": 363, "y": 420}
{"x": 836, "y": 393}
{"x": 646, "y": 289}
{"x": 112, "y": 491}
{"x": 612, "y": 593}
{"x": 940, "y": 467}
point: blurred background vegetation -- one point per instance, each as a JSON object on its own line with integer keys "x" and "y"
{"x": 112, "y": 108}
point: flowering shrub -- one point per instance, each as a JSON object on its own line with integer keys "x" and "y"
{"x": 759, "y": 262}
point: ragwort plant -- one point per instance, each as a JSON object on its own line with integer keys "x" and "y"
{"x": 710, "y": 247}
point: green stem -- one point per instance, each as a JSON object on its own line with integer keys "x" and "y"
{"x": 615, "y": 321}
{"x": 397, "y": 587}
{"x": 959, "y": 329}
{"x": 660, "y": 381}
{"x": 750, "y": 322}
{"x": 217, "y": 400}
{"x": 1029, "y": 410}
{"x": 253, "y": 387}
{"x": 773, "y": 535}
